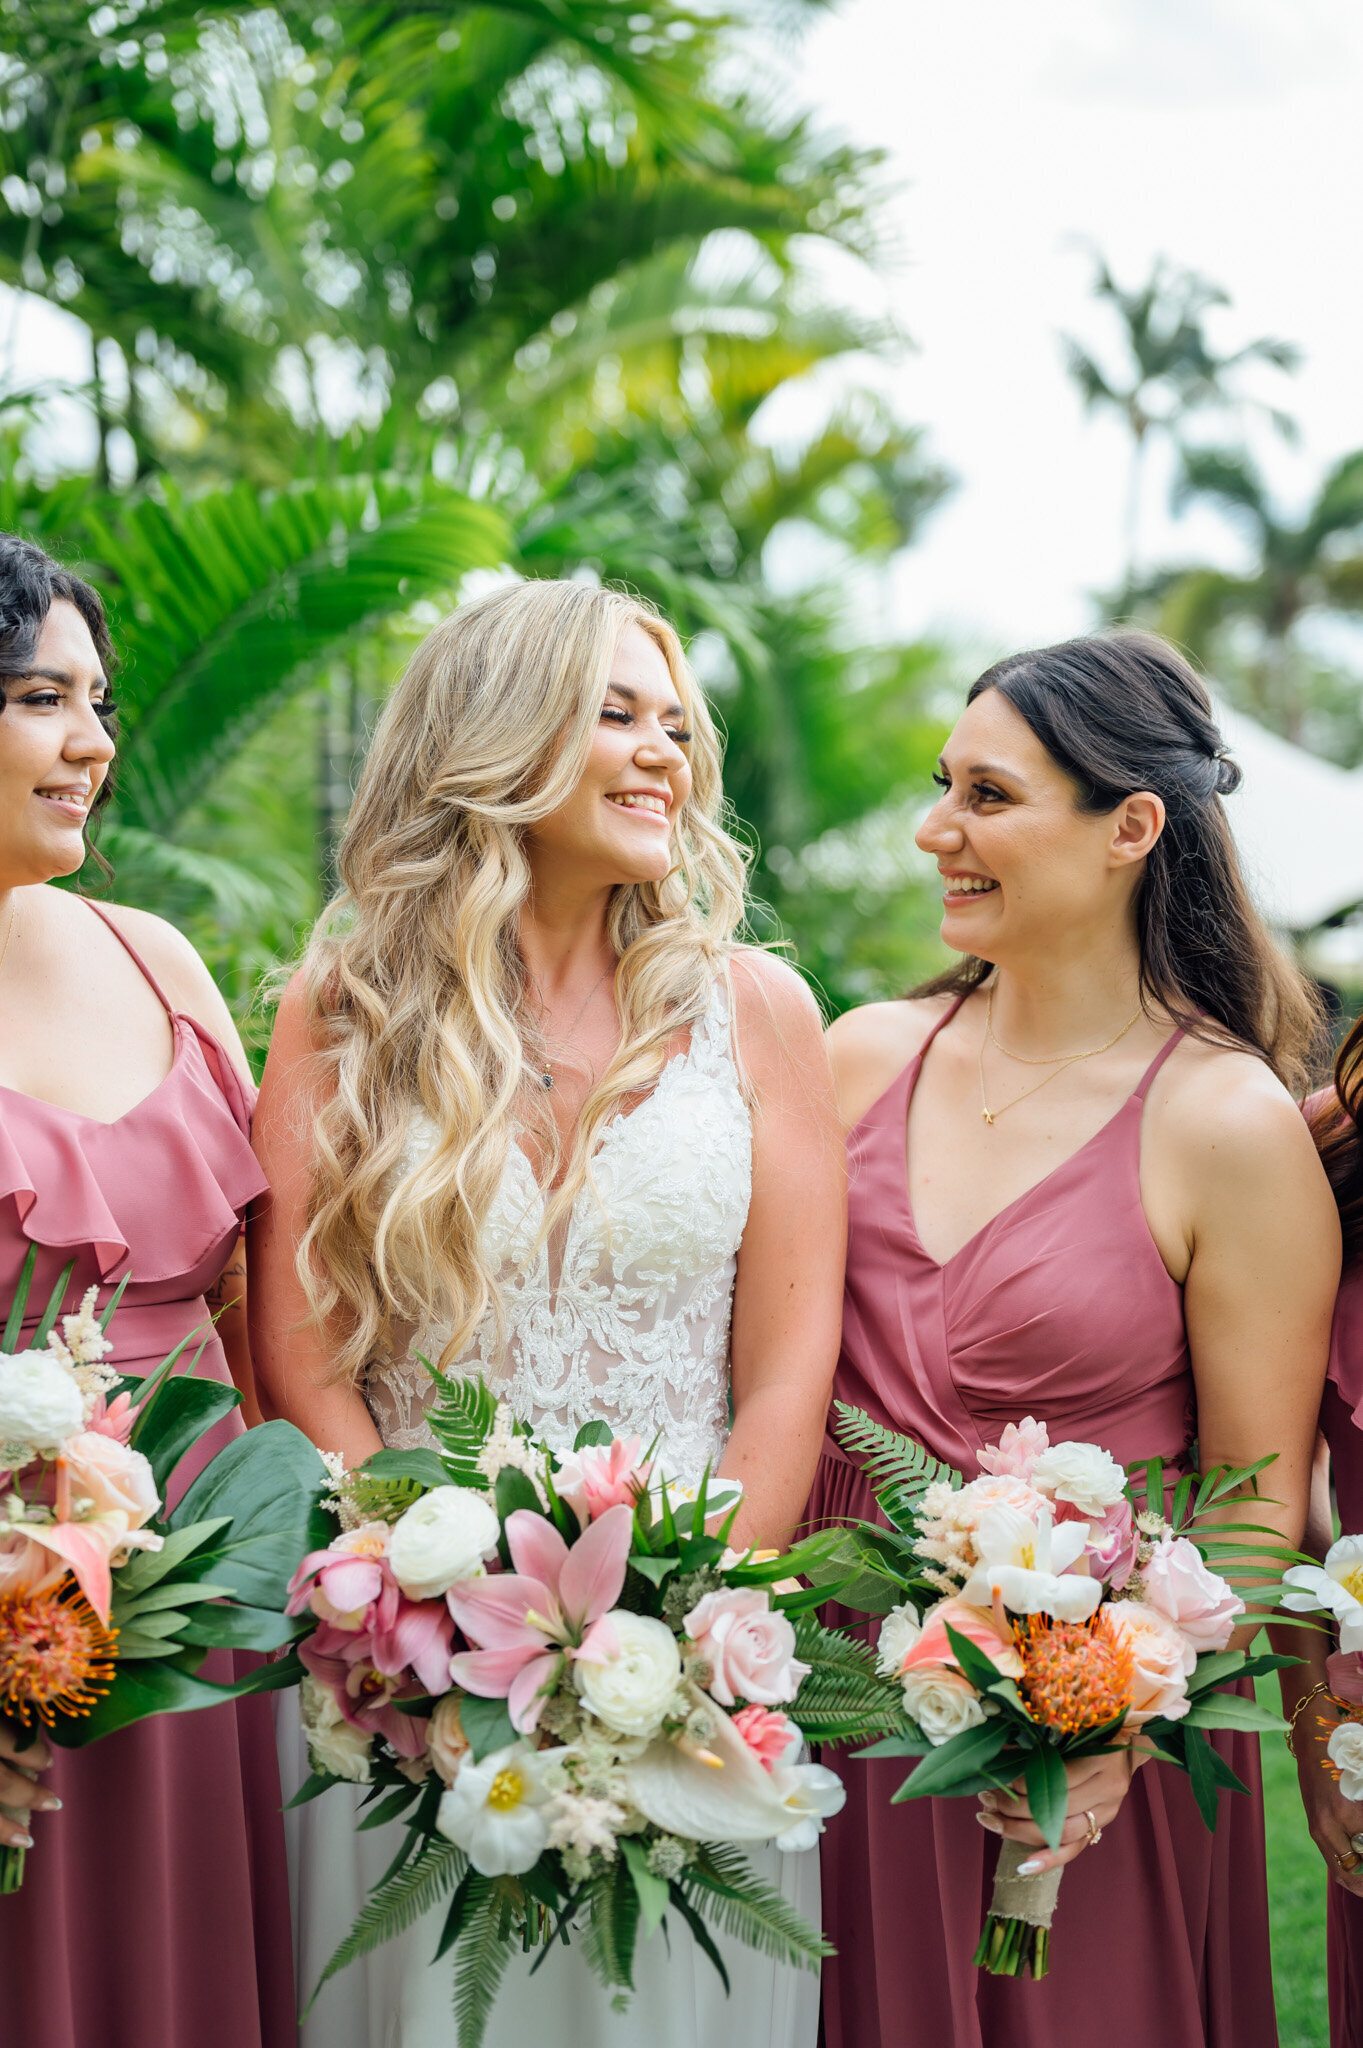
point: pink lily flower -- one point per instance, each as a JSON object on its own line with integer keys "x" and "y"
{"x": 602, "y": 1476}
{"x": 341, "y": 1583}
{"x": 555, "y": 1604}
{"x": 411, "y": 1635}
{"x": 369, "y": 1699}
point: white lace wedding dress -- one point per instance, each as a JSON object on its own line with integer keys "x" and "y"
{"x": 627, "y": 1319}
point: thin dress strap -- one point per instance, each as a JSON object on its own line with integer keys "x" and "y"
{"x": 133, "y": 954}
{"x": 1139, "y": 1092}
{"x": 940, "y": 1025}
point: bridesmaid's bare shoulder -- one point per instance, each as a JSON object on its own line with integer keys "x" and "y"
{"x": 868, "y": 1047}
{"x": 184, "y": 978}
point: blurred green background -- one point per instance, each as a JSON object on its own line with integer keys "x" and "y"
{"x": 374, "y": 306}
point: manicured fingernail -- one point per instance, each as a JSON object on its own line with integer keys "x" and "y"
{"x": 990, "y": 1821}
{"x": 49, "y": 1803}
{"x": 21, "y": 1841}
{"x": 1031, "y": 1868}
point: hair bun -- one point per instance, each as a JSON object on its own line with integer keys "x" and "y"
{"x": 1228, "y": 774}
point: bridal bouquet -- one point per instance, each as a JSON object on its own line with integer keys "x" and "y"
{"x": 1334, "y": 1588}
{"x": 582, "y": 1703}
{"x": 108, "y": 1606}
{"x": 1050, "y": 1610}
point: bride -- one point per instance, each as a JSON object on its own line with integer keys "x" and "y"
{"x": 530, "y": 1110}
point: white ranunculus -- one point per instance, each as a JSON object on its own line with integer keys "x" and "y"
{"x": 899, "y": 1632}
{"x": 40, "y": 1403}
{"x": 941, "y": 1700}
{"x": 1081, "y": 1474}
{"x": 632, "y": 1688}
{"x": 494, "y": 1811}
{"x": 333, "y": 1744}
{"x": 443, "y": 1537}
{"x": 1345, "y": 1751}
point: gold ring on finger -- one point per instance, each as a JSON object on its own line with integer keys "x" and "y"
{"x": 1356, "y": 1842}
{"x": 1348, "y": 1860}
{"x": 1094, "y": 1833}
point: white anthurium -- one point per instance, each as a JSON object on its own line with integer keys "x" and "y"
{"x": 1027, "y": 1564}
{"x": 1336, "y": 1586}
{"x": 494, "y": 1811}
{"x": 722, "y": 1792}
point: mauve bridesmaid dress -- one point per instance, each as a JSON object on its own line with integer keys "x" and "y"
{"x": 155, "y": 1906}
{"x": 1060, "y": 1307}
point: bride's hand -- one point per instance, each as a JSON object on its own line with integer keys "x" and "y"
{"x": 1098, "y": 1785}
{"x": 20, "y": 1754}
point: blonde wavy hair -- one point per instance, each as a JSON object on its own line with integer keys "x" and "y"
{"x": 416, "y": 990}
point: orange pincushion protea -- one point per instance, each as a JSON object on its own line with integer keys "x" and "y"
{"x": 56, "y": 1656}
{"x": 1076, "y": 1674}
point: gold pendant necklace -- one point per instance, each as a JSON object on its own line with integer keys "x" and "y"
{"x": 1061, "y": 1062}
{"x": 545, "y": 1073}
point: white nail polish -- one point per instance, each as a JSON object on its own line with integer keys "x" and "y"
{"x": 1031, "y": 1867}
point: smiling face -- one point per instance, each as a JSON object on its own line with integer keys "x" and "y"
{"x": 54, "y": 752}
{"x": 616, "y": 827}
{"x": 1023, "y": 868}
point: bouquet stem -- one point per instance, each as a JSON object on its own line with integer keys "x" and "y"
{"x": 1016, "y": 1940}
{"x": 12, "y": 1859}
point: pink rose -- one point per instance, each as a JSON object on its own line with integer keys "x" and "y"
{"x": 1017, "y": 1450}
{"x": 1163, "y": 1661}
{"x": 768, "y": 1735}
{"x": 1178, "y": 1583}
{"x": 446, "y": 1743}
{"x": 112, "y": 1477}
{"x": 750, "y": 1650}
{"x": 602, "y": 1476}
{"x": 977, "y": 1625}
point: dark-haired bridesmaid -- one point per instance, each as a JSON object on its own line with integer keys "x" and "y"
{"x": 1312, "y": 1688}
{"x": 1080, "y": 1190}
{"x": 154, "y": 1911}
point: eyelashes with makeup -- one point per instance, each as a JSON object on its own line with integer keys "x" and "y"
{"x": 984, "y": 792}
{"x": 613, "y": 712}
{"x": 47, "y": 700}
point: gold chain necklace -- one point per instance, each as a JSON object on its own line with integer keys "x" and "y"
{"x": 1062, "y": 1061}
{"x": 546, "y": 1077}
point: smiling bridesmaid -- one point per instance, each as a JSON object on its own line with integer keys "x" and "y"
{"x": 154, "y": 1910}
{"x": 1080, "y": 1190}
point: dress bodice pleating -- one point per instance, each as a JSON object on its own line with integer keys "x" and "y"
{"x": 625, "y": 1316}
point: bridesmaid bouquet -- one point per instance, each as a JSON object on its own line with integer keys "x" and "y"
{"x": 1334, "y": 1588}
{"x": 581, "y": 1703}
{"x": 1048, "y": 1611}
{"x": 108, "y": 1606}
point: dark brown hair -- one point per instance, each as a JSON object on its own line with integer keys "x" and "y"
{"x": 30, "y": 584}
{"x": 1124, "y": 712}
{"x": 1334, "y": 1126}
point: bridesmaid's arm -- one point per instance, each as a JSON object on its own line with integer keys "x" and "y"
{"x": 787, "y": 1314}
{"x": 226, "y": 1300}
{"x": 292, "y": 1359}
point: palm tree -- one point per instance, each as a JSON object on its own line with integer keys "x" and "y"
{"x": 1301, "y": 567}
{"x": 1169, "y": 368}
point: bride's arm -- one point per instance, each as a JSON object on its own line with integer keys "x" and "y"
{"x": 291, "y": 1357}
{"x": 787, "y": 1314}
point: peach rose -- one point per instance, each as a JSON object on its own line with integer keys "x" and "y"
{"x": 976, "y": 1624}
{"x": 114, "y": 1478}
{"x": 446, "y": 1743}
{"x": 1162, "y": 1661}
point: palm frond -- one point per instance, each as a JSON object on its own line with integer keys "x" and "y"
{"x": 612, "y": 1927}
{"x": 398, "y": 1903}
{"x": 480, "y": 1960}
{"x": 899, "y": 1469}
{"x": 461, "y": 1418}
{"x": 843, "y": 1695}
{"x": 721, "y": 1886}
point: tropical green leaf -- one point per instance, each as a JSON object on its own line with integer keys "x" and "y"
{"x": 486, "y": 1724}
{"x": 238, "y": 1627}
{"x": 958, "y": 1765}
{"x": 142, "y": 1686}
{"x": 844, "y": 1696}
{"x": 14, "y": 1322}
{"x": 461, "y": 1416}
{"x": 612, "y": 1926}
{"x": 652, "y": 1890}
{"x": 396, "y": 1905}
{"x": 1047, "y": 1790}
{"x": 481, "y": 1958}
{"x": 1231, "y": 1710}
{"x": 594, "y": 1432}
{"x": 899, "y": 1469}
{"x": 426, "y": 1468}
{"x": 47, "y": 1322}
{"x": 148, "y": 1567}
{"x": 721, "y": 1884}
{"x": 270, "y": 1482}
{"x": 184, "y": 1411}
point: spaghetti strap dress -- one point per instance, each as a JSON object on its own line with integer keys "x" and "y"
{"x": 154, "y": 1911}
{"x": 1059, "y": 1307}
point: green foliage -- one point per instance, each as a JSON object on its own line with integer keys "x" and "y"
{"x": 720, "y": 1885}
{"x": 481, "y": 1959}
{"x": 843, "y": 1697}
{"x": 460, "y": 1417}
{"x": 899, "y": 1469}
{"x": 269, "y": 1482}
{"x": 396, "y": 1904}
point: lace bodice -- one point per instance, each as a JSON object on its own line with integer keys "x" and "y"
{"x": 634, "y": 1327}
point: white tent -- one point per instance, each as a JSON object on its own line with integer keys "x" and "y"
{"x": 1298, "y": 823}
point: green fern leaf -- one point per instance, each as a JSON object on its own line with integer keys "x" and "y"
{"x": 844, "y": 1695}
{"x": 397, "y": 1903}
{"x": 480, "y": 1959}
{"x": 899, "y": 1469}
{"x": 612, "y": 1927}
{"x": 720, "y": 1885}
{"x": 461, "y": 1418}
{"x": 383, "y": 1500}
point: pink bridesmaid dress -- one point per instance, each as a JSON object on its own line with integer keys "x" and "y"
{"x": 155, "y": 1908}
{"x": 1341, "y": 1419}
{"x": 1060, "y": 1307}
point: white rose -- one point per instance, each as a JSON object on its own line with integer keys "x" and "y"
{"x": 941, "y": 1701}
{"x": 40, "y": 1403}
{"x": 443, "y": 1537}
{"x": 1345, "y": 1751}
{"x": 1082, "y": 1474}
{"x": 333, "y": 1745}
{"x": 631, "y": 1690}
{"x": 899, "y": 1632}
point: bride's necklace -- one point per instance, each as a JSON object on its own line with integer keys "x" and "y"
{"x": 545, "y": 1069}
{"x": 1060, "y": 1061}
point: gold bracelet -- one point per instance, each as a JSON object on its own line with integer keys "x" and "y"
{"x": 1289, "y": 1733}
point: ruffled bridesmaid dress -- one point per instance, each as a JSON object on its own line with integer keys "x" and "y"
{"x": 1061, "y": 1308}
{"x": 155, "y": 1906}
{"x": 1341, "y": 1419}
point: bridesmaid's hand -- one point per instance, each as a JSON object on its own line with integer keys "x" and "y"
{"x": 1098, "y": 1785}
{"x": 20, "y": 1754}
{"x": 1331, "y": 1817}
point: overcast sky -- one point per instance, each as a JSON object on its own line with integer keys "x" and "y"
{"x": 1224, "y": 134}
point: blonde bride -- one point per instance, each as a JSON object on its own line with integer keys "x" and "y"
{"x": 530, "y": 1109}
